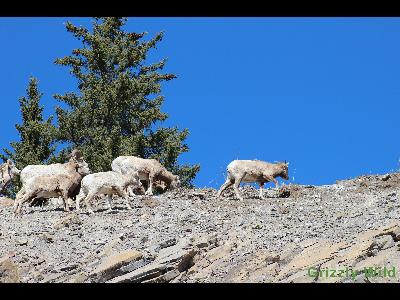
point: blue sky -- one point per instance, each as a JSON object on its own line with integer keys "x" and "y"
{"x": 322, "y": 93}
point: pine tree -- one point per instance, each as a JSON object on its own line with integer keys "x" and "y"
{"x": 118, "y": 108}
{"x": 36, "y": 143}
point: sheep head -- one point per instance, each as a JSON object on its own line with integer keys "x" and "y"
{"x": 81, "y": 167}
{"x": 175, "y": 183}
{"x": 284, "y": 170}
{"x": 77, "y": 158}
{"x": 12, "y": 169}
{"x": 172, "y": 181}
{"x": 75, "y": 154}
{"x": 133, "y": 178}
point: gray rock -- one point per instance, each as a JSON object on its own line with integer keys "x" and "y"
{"x": 332, "y": 212}
{"x": 147, "y": 272}
{"x": 21, "y": 241}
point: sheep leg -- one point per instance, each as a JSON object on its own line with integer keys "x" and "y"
{"x": 227, "y": 184}
{"x": 270, "y": 178}
{"x": 17, "y": 206}
{"x": 109, "y": 198}
{"x": 17, "y": 203}
{"x": 261, "y": 189}
{"x": 87, "y": 201}
{"x": 149, "y": 191}
{"x": 66, "y": 205}
{"x": 276, "y": 183}
{"x": 25, "y": 198}
{"x": 124, "y": 196}
{"x": 130, "y": 191}
{"x": 65, "y": 199}
{"x": 236, "y": 186}
{"x": 17, "y": 199}
{"x": 78, "y": 199}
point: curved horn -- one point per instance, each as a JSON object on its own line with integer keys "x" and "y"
{"x": 76, "y": 154}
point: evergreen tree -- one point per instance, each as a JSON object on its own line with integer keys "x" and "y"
{"x": 36, "y": 143}
{"x": 119, "y": 103}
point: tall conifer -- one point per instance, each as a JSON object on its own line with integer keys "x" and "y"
{"x": 117, "y": 110}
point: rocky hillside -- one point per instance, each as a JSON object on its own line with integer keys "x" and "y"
{"x": 297, "y": 234}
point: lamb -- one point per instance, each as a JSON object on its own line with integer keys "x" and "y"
{"x": 7, "y": 172}
{"x": 108, "y": 183}
{"x": 253, "y": 171}
{"x": 149, "y": 170}
{"x": 49, "y": 186}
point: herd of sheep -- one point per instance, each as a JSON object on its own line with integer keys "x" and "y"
{"x": 74, "y": 179}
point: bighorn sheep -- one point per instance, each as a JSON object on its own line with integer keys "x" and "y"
{"x": 7, "y": 172}
{"x": 108, "y": 183}
{"x": 253, "y": 171}
{"x": 149, "y": 170}
{"x": 55, "y": 169}
{"x": 49, "y": 186}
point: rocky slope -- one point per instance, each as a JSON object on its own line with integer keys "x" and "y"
{"x": 298, "y": 234}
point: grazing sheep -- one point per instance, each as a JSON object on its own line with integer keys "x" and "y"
{"x": 253, "y": 171}
{"x": 7, "y": 172}
{"x": 149, "y": 170}
{"x": 49, "y": 186}
{"x": 108, "y": 183}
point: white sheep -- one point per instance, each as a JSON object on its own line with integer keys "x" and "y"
{"x": 7, "y": 172}
{"x": 108, "y": 183}
{"x": 54, "y": 169}
{"x": 253, "y": 171}
{"x": 149, "y": 170}
{"x": 49, "y": 186}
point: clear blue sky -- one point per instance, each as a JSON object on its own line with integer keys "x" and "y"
{"x": 322, "y": 93}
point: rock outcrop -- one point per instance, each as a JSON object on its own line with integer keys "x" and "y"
{"x": 300, "y": 233}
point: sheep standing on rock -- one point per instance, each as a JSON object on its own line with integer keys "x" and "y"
{"x": 54, "y": 169}
{"x": 31, "y": 171}
{"x": 253, "y": 171}
{"x": 7, "y": 172}
{"x": 149, "y": 170}
{"x": 49, "y": 186}
{"x": 108, "y": 183}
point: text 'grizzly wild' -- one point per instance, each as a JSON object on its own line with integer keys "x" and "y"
{"x": 253, "y": 171}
